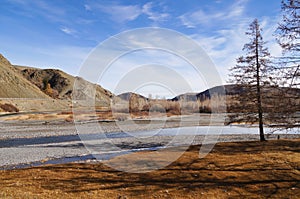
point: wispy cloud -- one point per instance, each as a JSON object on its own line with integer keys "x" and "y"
{"x": 40, "y": 8}
{"x": 117, "y": 13}
{"x": 203, "y": 17}
{"x": 237, "y": 9}
{"x": 226, "y": 45}
{"x": 217, "y": 25}
{"x": 68, "y": 31}
{"x": 154, "y": 16}
{"x": 124, "y": 13}
{"x": 175, "y": 52}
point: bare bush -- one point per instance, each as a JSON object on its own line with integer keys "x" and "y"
{"x": 9, "y": 108}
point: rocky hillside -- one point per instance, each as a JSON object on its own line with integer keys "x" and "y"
{"x": 31, "y": 89}
{"x": 59, "y": 85}
{"x": 14, "y": 85}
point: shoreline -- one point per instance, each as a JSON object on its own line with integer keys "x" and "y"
{"x": 231, "y": 170}
{"x": 61, "y": 141}
{"x": 44, "y": 128}
{"x": 126, "y": 145}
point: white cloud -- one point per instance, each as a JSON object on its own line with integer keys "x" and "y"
{"x": 129, "y": 74}
{"x": 226, "y": 46}
{"x": 202, "y": 17}
{"x": 41, "y": 8}
{"x": 68, "y": 31}
{"x": 269, "y": 26}
{"x": 51, "y": 9}
{"x": 236, "y": 9}
{"x": 154, "y": 16}
{"x": 191, "y": 20}
{"x": 125, "y": 13}
{"x": 166, "y": 49}
{"x": 186, "y": 22}
{"x": 118, "y": 13}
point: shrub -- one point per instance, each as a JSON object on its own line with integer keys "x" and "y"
{"x": 50, "y": 91}
{"x": 157, "y": 108}
{"x": 205, "y": 109}
{"x": 9, "y": 108}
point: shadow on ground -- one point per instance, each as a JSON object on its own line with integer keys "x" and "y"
{"x": 231, "y": 170}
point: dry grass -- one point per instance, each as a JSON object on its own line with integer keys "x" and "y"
{"x": 134, "y": 106}
{"x": 232, "y": 170}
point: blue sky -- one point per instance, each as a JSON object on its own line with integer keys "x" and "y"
{"x": 61, "y": 34}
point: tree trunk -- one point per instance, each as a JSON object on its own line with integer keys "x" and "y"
{"x": 258, "y": 93}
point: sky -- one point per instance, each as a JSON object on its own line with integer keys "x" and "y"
{"x": 68, "y": 35}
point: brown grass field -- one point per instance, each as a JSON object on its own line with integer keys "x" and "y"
{"x": 232, "y": 170}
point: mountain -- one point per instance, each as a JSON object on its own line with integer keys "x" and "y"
{"x": 127, "y": 96}
{"x": 61, "y": 84}
{"x": 207, "y": 94}
{"x": 14, "y": 85}
{"x": 229, "y": 90}
{"x": 186, "y": 96}
{"x": 219, "y": 90}
{"x": 130, "y": 102}
{"x": 32, "y": 89}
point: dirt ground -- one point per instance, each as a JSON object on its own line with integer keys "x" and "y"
{"x": 232, "y": 170}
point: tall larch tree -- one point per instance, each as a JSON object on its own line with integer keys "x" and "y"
{"x": 252, "y": 77}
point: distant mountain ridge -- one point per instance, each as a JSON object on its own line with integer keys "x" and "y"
{"x": 228, "y": 90}
{"x": 22, "y": 82}
{"x": 218, "y": 90}
{"x": 126, "y": 96}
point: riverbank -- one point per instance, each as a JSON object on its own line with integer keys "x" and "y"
{"x": 25, "y": 145}
{"x": 232, "y": 170}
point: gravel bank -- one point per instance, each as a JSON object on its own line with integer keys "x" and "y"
{"x": 23, "y": 142}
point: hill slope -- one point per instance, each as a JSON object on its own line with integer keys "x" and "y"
{"x": 14, "y": 85}
{"x": 229, "y": 90}
{"x": 127, "y": 96}
{"x": 207, "y": 94}
{"x": 62, "y": 83}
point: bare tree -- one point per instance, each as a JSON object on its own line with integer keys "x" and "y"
{"x": 252, "y": 77}
{"x": 288, "y": 36}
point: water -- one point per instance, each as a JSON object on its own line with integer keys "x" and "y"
{"x": 195, "y": 130}
{"x": 75, "y": 141}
